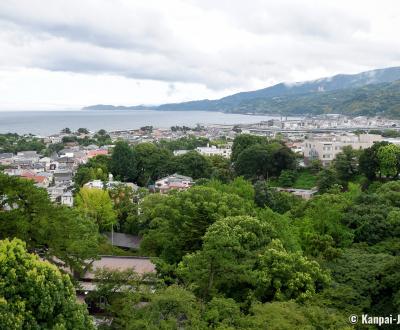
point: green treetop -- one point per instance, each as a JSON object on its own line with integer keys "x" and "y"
{"x": 97, "y": 205}
{"x": 34, "y": 294}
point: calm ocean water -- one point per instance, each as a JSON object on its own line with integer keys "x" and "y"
{"x": 49, "y": 122}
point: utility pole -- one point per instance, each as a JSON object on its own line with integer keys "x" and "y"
{"x": 112, "y": 238}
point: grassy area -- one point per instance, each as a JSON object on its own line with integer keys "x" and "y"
{"x": 274, "y": 182}
{"x": 107, "y": 249}
{"x": 359, "y": 179}
{"x": 305, "y": 180}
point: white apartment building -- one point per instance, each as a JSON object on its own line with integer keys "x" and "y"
{"x": 213, "y": 150}
{"x": 325, "y": 147}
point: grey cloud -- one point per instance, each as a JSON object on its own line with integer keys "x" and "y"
{"x": 171, "y": 89}
{"x": 104, "y": 28}
{"x": 250, "y": 41}
{"x": 307, "y": 18}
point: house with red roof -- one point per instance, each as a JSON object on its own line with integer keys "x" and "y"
{"x": 94, "y": 153}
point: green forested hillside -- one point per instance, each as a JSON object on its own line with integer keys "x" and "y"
{"x": 369, "y": 100}
{"x": 381, "y": 99}
{"x": 373, "y": 93}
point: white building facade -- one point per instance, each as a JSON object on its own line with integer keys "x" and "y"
{"x": 326, "y": 147}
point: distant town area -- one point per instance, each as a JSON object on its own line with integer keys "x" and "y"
{"x": 57, "y": 157}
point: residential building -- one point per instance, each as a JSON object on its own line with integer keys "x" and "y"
{"x": 55, "y": 192}
{"x": 97, "y": 152}
{"x": 303, "y": 193}
{"x": 26, "y": 159}
{"x": 174, "y": 181}
{"x": 63, "y": 177}
{"x": 6, "y": 158}
{"x": 67, "y": 199}
{"x": 213, "y": 150}
{"x": 98, "y": 184}
{"x": 40, "y": 181}
{"x": 325, "y": 147}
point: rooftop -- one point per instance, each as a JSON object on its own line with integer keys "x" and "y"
{"x": 141, "y": 265}
{"x": 124, "y": 240}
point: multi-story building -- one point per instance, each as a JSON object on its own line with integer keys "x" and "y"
{"x": 213, "y": 150}
{"x": 326, "y": 147}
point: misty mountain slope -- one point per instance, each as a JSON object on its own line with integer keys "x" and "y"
{"x": 367, "y": 93}
{"x": 340, "y": 81}
{"x": 380, "y": 99}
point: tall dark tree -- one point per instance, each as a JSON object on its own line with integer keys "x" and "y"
{"x": 82, "y": 130}
{"x": 152, "y": 162}
{"x": 326, "y": 179}
{"x": 66, "y": 130}
{"x": 262, "y": 161}
{"x": 369, "y": 162}
{"x": 282, "y": 157}
{"x": 123, "y": 164}
{"x": 194, "y": 165}
{"x": 221, "y": 168}
{"x": 244, "y": 141}
{"x": 254, "y": 162}
{"x": 346, "y": 164}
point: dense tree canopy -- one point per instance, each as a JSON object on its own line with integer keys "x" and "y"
{"x": 262, "y": 161}
{"x": 152, "y": 163}
{"x": 389, "y": 160}
{"x": 12, "y": 142}
{"x": 228, "y": 256}
{"x": 34, "y": 294}
{"x": 174, "y": 225}
{"x": 97, "y": 206}
{"x": 123, "y": 165}
{"x": 221, "y": 168}
{"x": 240, "y": 252}
{"x": 346, "y": 164}
{"x": 194, "y": 165}
{"x": 231, "y": 252}
{"x": 327, "y": 179}
{"x": 369, "y": 163}
{"x": 266, "y": 196}
{"x": 96, "y": 168}
{"x": 244, "y": 141}
{"x": 27, "y": 213}
{"x": 323, "y": 234}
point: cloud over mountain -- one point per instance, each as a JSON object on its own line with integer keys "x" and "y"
{"x": 220, "y": 45}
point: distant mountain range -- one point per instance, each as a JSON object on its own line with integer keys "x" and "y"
{"x": 375, "y": 92}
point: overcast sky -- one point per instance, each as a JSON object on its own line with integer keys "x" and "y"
{"x": 58, "y": 54}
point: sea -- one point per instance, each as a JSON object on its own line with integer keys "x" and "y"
{"x": 44, "y": 123}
